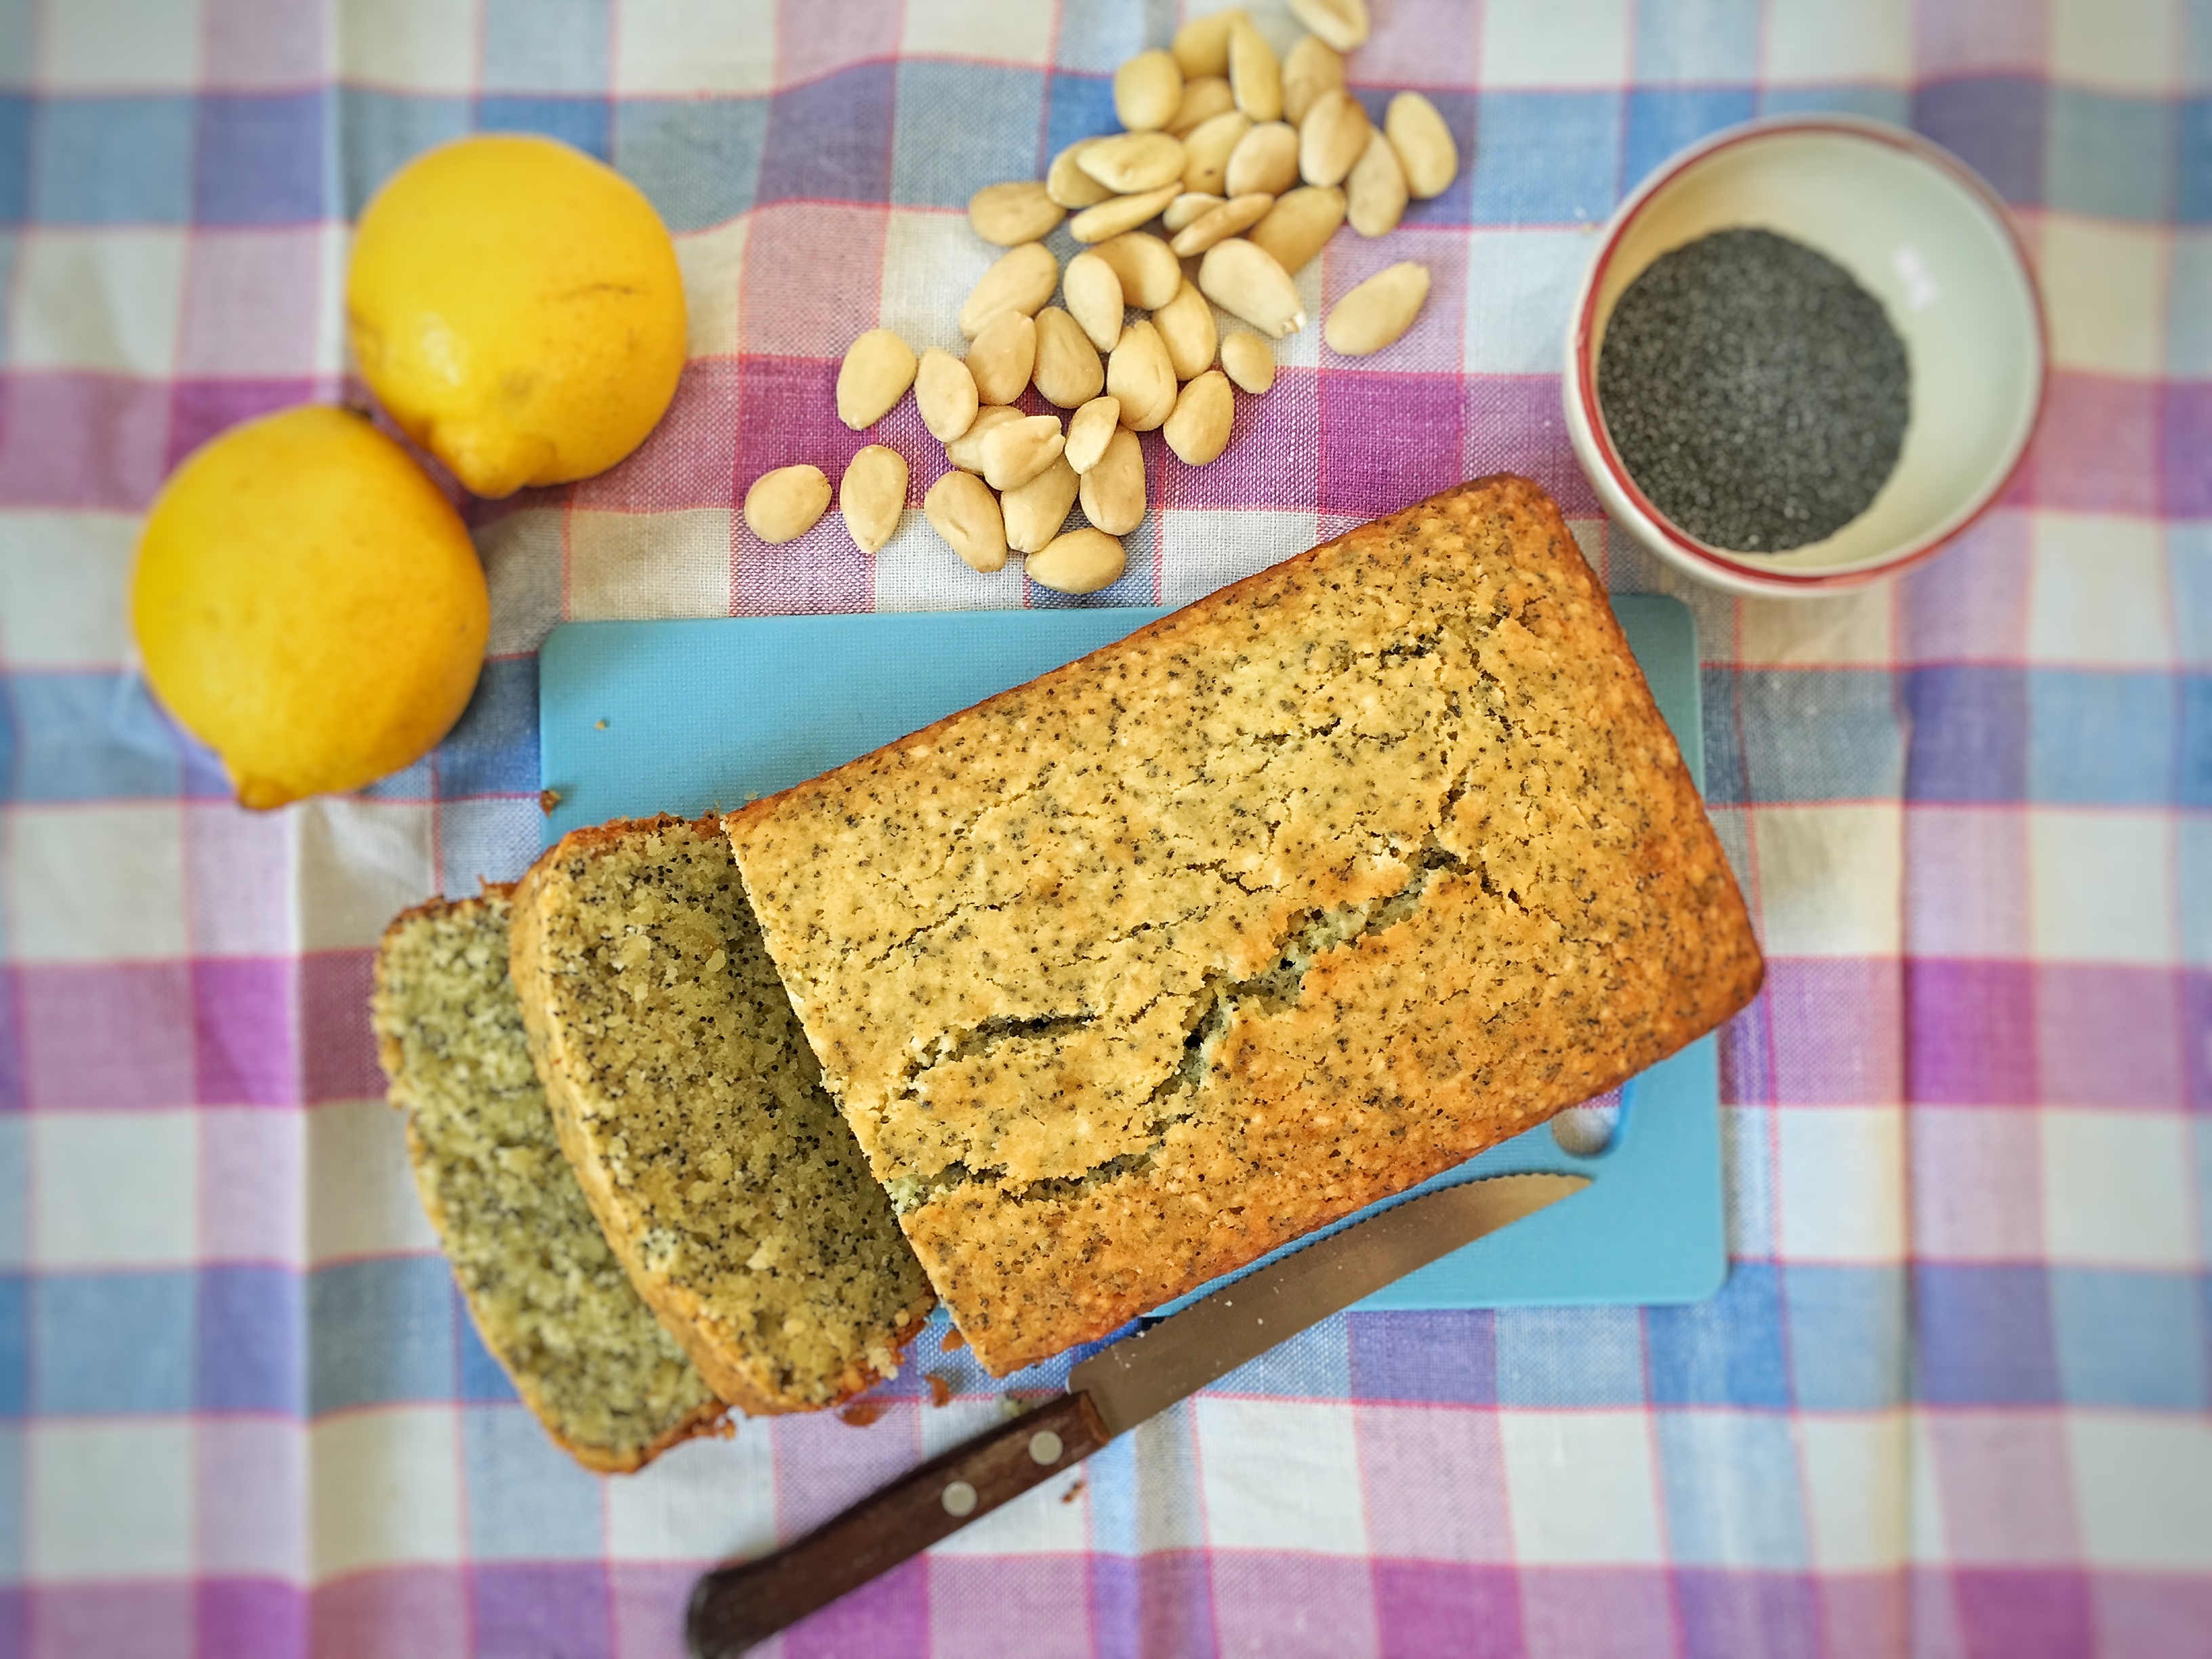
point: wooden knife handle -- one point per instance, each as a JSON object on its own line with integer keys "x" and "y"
{"x": 748, "y": 1601}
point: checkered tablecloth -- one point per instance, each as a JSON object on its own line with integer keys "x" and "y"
{"x": 1953, "y": 1399}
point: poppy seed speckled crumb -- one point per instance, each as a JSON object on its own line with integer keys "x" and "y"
{"x": 693, "y": 1112}
{"x": 551, "y": 1302}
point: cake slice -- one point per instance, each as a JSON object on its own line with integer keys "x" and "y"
{"x": 553, "y": 1305}
{"x": 692, "y": 1109}
{"x": 1320, "y": 885}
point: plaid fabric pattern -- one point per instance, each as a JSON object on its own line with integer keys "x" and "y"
{"x": 1953, "y": 1399}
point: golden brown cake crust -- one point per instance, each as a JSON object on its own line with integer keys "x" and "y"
{"x": 1278, "y": 906}
{"x": 734, "y": 1360}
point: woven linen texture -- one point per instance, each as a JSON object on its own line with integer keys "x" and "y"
{"x": 1953, "y": 1399}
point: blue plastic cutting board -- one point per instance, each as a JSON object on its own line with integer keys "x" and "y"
{"x": 637, "y": 718}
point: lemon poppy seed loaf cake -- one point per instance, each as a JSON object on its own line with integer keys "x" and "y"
{"x": 1323, "y": 884}
{"x": 553, "y": 1305}
{"x": 692, "y": 1109}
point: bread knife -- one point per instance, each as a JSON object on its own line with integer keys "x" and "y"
{"x": 744, "y": 1603}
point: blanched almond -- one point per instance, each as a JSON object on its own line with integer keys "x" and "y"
{"x": 945, "y": 392}
{"x": 1424, "y": 144}
{"x": 1068, "y": 371}
{"x": 1191, "y": 205}
{"x": 1132, "y": 162}
{"x": 966, "y": 514}
{"x": 1265, "y": 159}
{"x": 1141, "y": 374}
{"x": 1003, "y": 357}
{"x": 1077, "y": 562}
{"x": 1037, "y": 511}
{"x": 1089, "y": 430}
{"x": 1067, "y": 183}
{"x": 1202, "y": 100}
{"x": 1312, "y": 68}
{"x": 1378, "y": 312}
{"x": 1013, "y": 213}
{"x": 1016, "y": 452}
{"x": 1111, "y": 218}
{"x": 1331, "y": 137}
{"x": 1094, "y": 298}
{"x": 872, "y": 496}
{"x": 1150, "y": 273}
{"x": 966, "y": 451}
{"x": 1299, "y": 225}
{"x": 1148, "y": 90}
{"x": 879, "y": 368}
{"x": 1022, "y": 279}
{"x": 1197, "y": 431}
{"x": 1247, "y": 359}
{"x": 1375, "y": 194}
{"x": 1187, "y": 329}
{"x": 785, "y": 504}
{"x": 1112, "y": 491}
{"x": 1232, "y": 218}
{"x": 1246, "y": 281}
{"x": 1201, "y": 46}
{"x": 1207, "y": 152}
{"x": 1255, "y": 74}
{"x": 1342, "y": 23}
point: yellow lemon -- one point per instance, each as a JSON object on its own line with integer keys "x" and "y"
{"x": 518, "y": 307}
{"x": 308, "y": 605}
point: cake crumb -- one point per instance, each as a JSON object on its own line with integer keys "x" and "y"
{"x": 1074, "y": 1491}
{"x": 940, "y": 1389}
{"x": 805, "y": 1294}
{"x": 588, "y": 1355}
{"x": 953, "y": 1341}
{"x": 547, "y": 800}
{"x": 861, "y": 1412}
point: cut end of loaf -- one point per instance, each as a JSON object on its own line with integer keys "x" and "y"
{"x": 551, "y": 1302}
{"x": 686, "y": 1095}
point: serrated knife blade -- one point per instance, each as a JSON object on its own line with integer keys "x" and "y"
{"x": 1142, "y": 1376}
{"x": 744, "y": 1603}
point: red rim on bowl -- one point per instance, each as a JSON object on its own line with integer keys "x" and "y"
{"x": 1585, "y": 369}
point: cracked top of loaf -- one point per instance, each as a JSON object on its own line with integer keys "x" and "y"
{"x": 1320, "y": 885}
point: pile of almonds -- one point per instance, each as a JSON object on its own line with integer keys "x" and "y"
{"x": 1250, "y": 163}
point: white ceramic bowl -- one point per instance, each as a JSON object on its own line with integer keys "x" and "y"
{"x": 1919, "y": 231}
